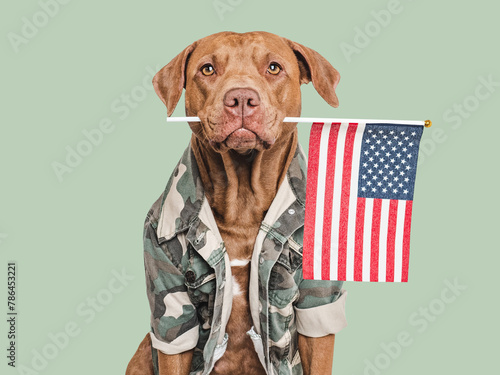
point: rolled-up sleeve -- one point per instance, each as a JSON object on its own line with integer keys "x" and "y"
{"x": 174, "y": 322}
{"x": 320, "y": 308}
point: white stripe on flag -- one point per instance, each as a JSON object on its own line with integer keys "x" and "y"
{"x": 398, "y": 251}
{"x": 320, "y": 201}
{"x": 337, "y": 188}
{"x": 382, "y": 253}
{"x": 367, "y": 238}
{"x": 353, "y": 201}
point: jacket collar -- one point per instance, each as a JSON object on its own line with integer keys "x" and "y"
{"x": 184, "y": 201}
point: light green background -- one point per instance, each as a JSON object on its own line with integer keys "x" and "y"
{"x": 68, "y": 237}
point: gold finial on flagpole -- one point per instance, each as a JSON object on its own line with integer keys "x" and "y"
{"x": 428, "y": 123}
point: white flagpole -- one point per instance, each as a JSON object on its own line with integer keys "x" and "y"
{"x": 426, "y": 123}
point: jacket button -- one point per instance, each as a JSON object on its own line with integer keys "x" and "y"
{"x": 190, "y": 276}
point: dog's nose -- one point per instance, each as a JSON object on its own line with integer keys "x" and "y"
{"x": 241, "y": 101}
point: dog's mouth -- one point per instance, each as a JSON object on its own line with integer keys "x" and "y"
{"x": 242, "y": 140}
{"x": 241, "y": 134}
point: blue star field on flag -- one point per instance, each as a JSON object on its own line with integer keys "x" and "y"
{"x": 388, "y": 162}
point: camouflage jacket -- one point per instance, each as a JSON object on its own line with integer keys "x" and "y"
{"x": 189, "y": 278}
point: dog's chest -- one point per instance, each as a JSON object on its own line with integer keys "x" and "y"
{"x": 240, "y": 356}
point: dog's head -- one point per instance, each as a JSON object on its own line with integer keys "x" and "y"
{"x": 242, "y": 86}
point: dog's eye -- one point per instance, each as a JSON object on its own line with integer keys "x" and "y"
{"x": 207, "y": 70}
{"x": 274, "y": 68}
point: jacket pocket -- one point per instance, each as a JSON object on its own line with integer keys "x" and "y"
{"x": 290, "y": 257}
{"x": 282, "y": 288}
{"x": 201, "y": 286}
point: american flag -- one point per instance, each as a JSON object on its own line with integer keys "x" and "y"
{"x": 359, "y": 199}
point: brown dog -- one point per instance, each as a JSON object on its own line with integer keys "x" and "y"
{"x": 241, "y": 86}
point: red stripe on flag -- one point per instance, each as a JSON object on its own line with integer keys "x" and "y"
{"x": 377, "y": 208}
{"x": 358, "y": 241}
{"x": 406, "y": 241}
{"x": 327, "y": 224}
{"x": 344, "y": 200}
{"x": 391, "y": 239}
{"x": 311, "y": 190}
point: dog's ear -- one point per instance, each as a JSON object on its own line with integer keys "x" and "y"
{"x": 170, "y": 80}
{"x": 314, "y": 67}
